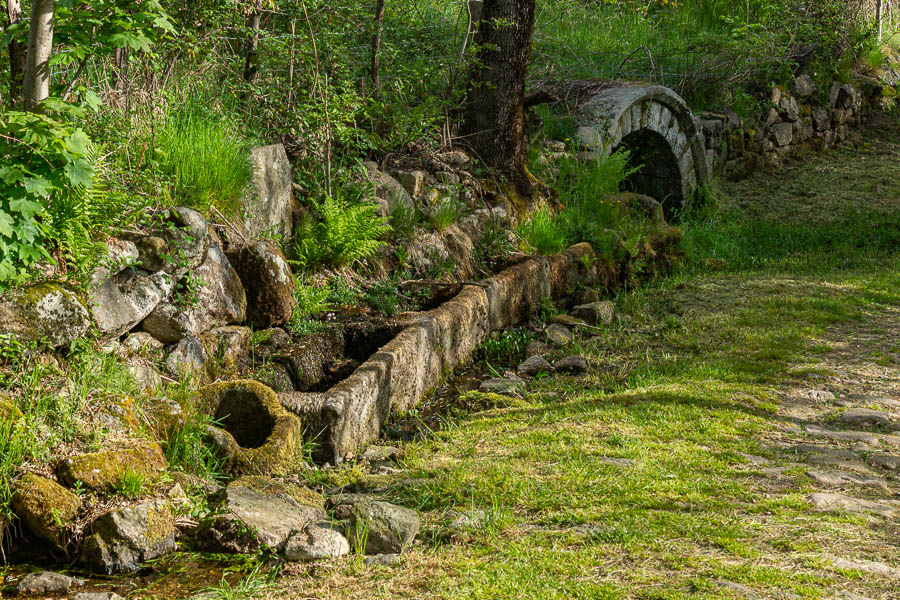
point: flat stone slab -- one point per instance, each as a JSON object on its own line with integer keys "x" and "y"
{"x": 827, "y": 502}
{"x": 841, "y": 478}
{"x": 820, "y": 395}
{"x": 257, "y": 512}
{"x": 813, "y": 450}
{"x": 866, "y": 566}
{"x": 502, "y": 386}
{"x": 843, "y": 436}
{"x": 47, "y": 582}
{"x": 888, "y": 462}
{"x": 316, "y": 542}
{"x": 865, "y": 417}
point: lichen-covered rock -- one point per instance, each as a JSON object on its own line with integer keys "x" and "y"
{"x": 386, "y": 528}
{"x": 125, "y": 299}
{"x": 44, "y": 311}
{"x": 117, "y": 413}
{"x": 267, "y": 439}
{"x": 275, "y": 376}
{"x": 316, "y": 542}
{"x": 388, "y": 192}
{"x": 266, "y": 203}
{"x": 102, "y": 471}
{"x": 573, "y": 365}
{"x": 534, "y": 365}
{"x": 186, "y": 234}
{"x": 558, "y": 335}
{"x": 227, "y": 347}
{"x": 306, "y": 359}
{"x": 269, "y": 282}
{"x": 46, "y": 507}
{"x": 142, "y": 343}
{"x": 47, "y": 582}
{"x": 125, "y": 537}
{"x": 165, "y": 415}
{"x": 596, "y": 313}
{"x": 412, "y": 181}
{"x": 220, "y": 300}
{"x": 259, "y": 513}
{"x": 188, "y": 358}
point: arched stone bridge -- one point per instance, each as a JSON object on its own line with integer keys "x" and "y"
{"x": 657, "y": 128}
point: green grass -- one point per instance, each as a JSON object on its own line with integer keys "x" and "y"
{"x": 205, "y": 155}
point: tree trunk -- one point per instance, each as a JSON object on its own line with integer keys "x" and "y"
{"x": 251, "y": 59}
{"x": 879, "y": 18}
{"x": 494, "y": 114}
{"x": 17, "y": 51}
{"x": 37, "y": 61}
{"x": 376, "y": 44}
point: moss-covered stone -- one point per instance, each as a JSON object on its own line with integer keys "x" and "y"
{"x": 264, "y": 485}
{"x": 8, "y": 409}
{"x": 118, "y": 414}
{"x": 268, "y": 439}
{"x": 46, "y": 507}
{"x": 102, "y": 471}
{"x": 47, "y": 312}
{"x": 124, "y": 537}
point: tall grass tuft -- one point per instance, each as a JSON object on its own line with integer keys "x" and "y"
{"x": 205, "y": 155}
{"x": 586, "y": 191}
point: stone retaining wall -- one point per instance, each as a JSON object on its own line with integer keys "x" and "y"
{"x": 801, "y": 116}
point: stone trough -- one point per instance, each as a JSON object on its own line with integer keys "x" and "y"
{"x": 350, "y": 414}
{"x": 254, "y": 433}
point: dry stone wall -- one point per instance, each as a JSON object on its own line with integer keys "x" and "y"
{"x": 798, "y": 116}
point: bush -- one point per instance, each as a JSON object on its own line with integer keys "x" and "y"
{"x": 42, "y": 161}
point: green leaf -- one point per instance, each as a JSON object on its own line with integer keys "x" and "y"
{"x": 38, "y": 186}
{"x": 27, "y": 208}
{"x": 79, "y": 143}
{"x": 80, "y": 172}
{"x": 6, "y": 224}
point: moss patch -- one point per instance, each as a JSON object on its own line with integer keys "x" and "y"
{"x": 103, "y": 471}
{"x": 263, "y": 485}
{"x": 46, "y": 507}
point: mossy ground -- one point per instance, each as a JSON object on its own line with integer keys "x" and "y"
{"x": 701, "y": 387}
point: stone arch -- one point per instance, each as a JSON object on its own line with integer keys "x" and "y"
{"x": 657, "y": 127}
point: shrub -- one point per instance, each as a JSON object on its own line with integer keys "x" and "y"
{"x": 41, "y": 160}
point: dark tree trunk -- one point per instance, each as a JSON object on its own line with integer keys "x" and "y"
{"x": 251, "y": 58}
{"x": 17, "y": 51}
{"x": 494, "y": 115}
